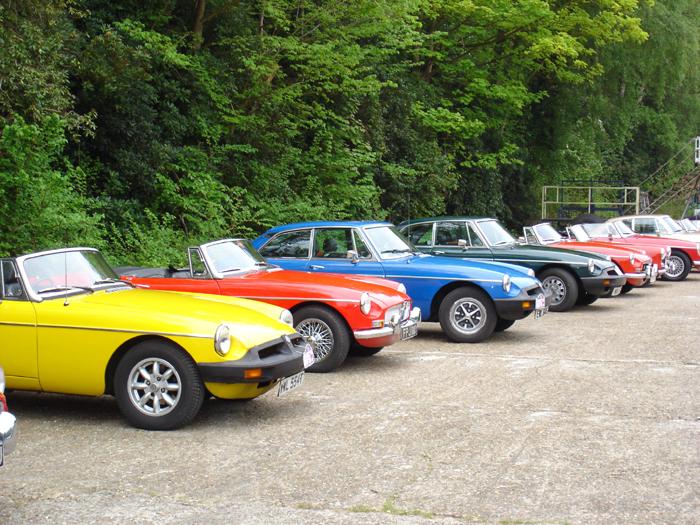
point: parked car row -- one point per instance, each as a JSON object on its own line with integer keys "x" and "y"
{"x": 235, "y": 322}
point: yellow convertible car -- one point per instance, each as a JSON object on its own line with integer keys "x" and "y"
{"x": 69, "y": 325}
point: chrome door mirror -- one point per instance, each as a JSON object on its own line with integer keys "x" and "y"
{"x": 462, "y": 243}
{"x": 352, "y": 255}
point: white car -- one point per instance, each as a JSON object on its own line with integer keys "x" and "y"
{"x": 8, "y": 424}
{"x": 660, "y": 225}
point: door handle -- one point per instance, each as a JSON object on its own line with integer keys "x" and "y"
{"x": 316, "y": 267}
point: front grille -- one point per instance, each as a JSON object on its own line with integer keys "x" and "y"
{"x": 535, "y": 290}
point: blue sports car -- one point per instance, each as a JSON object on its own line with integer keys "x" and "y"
{"x": 470, "y": 299}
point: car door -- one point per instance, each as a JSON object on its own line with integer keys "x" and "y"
{"x": 290, "y": 249}
{"x": 343, "y": 250}
{"x": 18, "y": 336}
{"x": 448, "y": 237}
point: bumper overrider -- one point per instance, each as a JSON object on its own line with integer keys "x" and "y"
{"x": 523, "y": 305}
{"x": 270, "y": 361}
{"x": 604, "y": 283}
{"x": 391, "y": 332}
{"x": 8, "y": 434}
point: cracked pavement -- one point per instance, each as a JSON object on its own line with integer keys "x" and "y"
{"x": 587, "y": 417}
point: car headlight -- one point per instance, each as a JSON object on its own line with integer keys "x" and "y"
{"x": 286, "y": 317}
{"x": 506, "y": 283}
{"x": 591, "y": 265}
{"x": 401, "y": 288}
{"x": 365, "y": 303}
{"x": 531, "y": 272}
{"x": 632, "y": 258}
{"x": 222, "y": 340}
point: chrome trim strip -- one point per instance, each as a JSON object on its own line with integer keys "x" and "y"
{"x": 640, "y": 275}
{"x": 265, "y": 297}
{"x": 124, "y": 330}
{"x": 7, "y": 323}
{"x": 443, "y": 278}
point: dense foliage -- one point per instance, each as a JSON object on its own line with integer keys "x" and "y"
{"x": 141, "y": 127}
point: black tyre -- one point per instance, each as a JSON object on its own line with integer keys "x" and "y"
{"x": 364, "y": 351}
{"x": 585, "y": 298}
{"x": 467, "y": 315}
{"x": 679, "y": 266}
{"x": 626, "y": 288}
{"x": 503, "y": 324}
{"x": 563, "y": 287}
{"x": 329, "y": 333}
{"x": 158, "y": 386}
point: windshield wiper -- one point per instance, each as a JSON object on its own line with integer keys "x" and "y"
{"x": 229, "y": 270}
{"x": 396, "y": 250}
{"x": 108, "y": 281}
{"x": 501, "y": 243}
{"x": 65, "y": 288}
{"x": 262, "y": 263}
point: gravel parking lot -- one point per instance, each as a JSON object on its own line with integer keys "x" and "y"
{"x": 586, "y": 417}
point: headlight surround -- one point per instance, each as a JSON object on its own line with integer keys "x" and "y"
{"x": 531, "y": 272}
{"x": 222, "y": 340}
{"x": 591, "y": 265}
{"x": 401, "y": 288}
{"x": 505, "y": 283}
{"x": 365, "y": 303}
{"x": 286, "y": 317}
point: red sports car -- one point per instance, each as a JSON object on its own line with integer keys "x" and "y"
{"x": 604, "y": 233}
{"x": 634, "y": 264}
{"x": 335, "y": 312}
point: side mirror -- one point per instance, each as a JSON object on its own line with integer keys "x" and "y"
{"x": 462, "y": 244}
{"x": 521, "y": 240}
{"x": 352, "y": 255}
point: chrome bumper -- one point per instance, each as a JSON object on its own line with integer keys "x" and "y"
{"x": 8, "y": 432}
{"x": 640, "y": 275}
{"x": 388, "y": 330}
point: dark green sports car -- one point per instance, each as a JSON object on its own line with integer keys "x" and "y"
{"x": 572, "y": 277}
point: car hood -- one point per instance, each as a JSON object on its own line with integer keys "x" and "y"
{"x": 451, "y": 267}
{"x": 547, "y": 253}
{"x": 314, "y": 285}
{"x": 158, "y": 312}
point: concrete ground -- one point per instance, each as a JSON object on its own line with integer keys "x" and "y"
{"x": 588, "y": 417}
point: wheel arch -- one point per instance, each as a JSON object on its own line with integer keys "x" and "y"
{"x": 449, "y": 287}
{"x": 325, "y": 306}
{"x": 120, "y": 352}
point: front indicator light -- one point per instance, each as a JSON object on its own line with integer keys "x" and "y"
{"x": 378, "y": 324}
{"x": 527, "y": 305}
{"x": 606, "y": 282}
{"x": 252, "y": 373}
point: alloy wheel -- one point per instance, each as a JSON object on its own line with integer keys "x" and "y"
{"x": 556, "y": 287}
{"x": 467, "y": 315}
{"x": 154, "y": 386}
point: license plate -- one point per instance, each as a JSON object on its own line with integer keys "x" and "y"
{"x": 539, "y": 302}
{"x": 290, "y": 383}
{"x": 309, "y": 358}
{"x": 616, "y": 291}
{"x": 409, "y": 331}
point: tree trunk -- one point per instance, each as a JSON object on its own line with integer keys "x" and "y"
{"x": 198, "y": 27}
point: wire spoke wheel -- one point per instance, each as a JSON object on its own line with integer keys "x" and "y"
{"x": 320, "y": 336}
{"x": 676, "y": 266}
{"x": 468, "y": 315}
{"x": 154, "y": 387}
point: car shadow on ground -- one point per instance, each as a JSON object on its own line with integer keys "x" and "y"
{"x": 432, "y": 332}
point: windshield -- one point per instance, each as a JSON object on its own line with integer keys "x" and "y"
{"x": 579, "y": 232}
{"x": 234, "y": 256}
{"x": 546, "y": 233}
{"x": 623, "y": 229}
{"x": 389, "y": 242}
{"x": 598, "y": 230}
{"x": 65, "y": 271}
{"x": 496, "y": 235}
{"x": 688, "y": 225}
{"x": 671, "y": 224}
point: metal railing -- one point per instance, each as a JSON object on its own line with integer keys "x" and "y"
{"x": 564, "y": 202}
